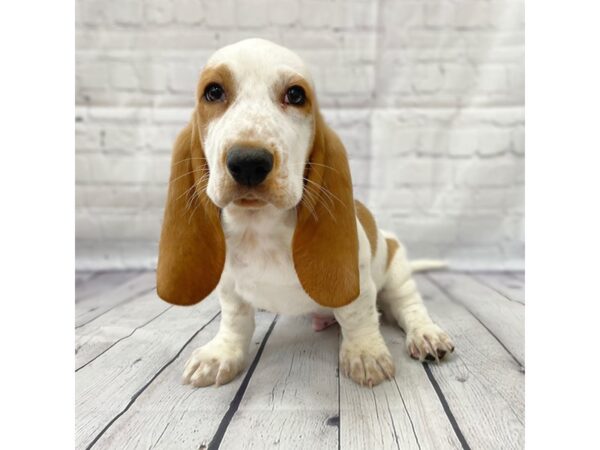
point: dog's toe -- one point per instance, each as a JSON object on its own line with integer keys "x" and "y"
{"x": 428, "y": 343}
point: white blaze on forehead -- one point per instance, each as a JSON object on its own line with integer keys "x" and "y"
{"x": 259, "y": 56}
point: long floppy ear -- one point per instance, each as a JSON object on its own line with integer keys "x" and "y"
{"x": 192, "y": 244}
{"x": 325, "y": 244}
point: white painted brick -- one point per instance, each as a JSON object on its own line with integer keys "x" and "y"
{"x": 251, "y": 14}
{"x": 515, "y": 198}
{"x": 492, "y": 78}
{"x": 433, "y": 142}
{"x": 403, "y": 200}
{"x": 495, "y": 142}
{"x": 359, "y": 168}
{"x": 123, "y": 76}
{"x": 390, "y": 136}
{"x": 460, "y": 78}
{"x": 317, "y": 14}
{"x": 354, "y": 15}
{"x": 219, "y": 13}
{"x": 161, "y": 138}
{"x": 481, "y": 230}
{"x": 472, "y": 14}
{"x": 487, "y": 173}
{"x": 398, "y": 15}
{"x": 349, "y": 80}
{"x": 125, "y": 139}
{"x": 514, "y": 228}
{"x": 183, "y": 78}
{"x": 428, "y": 230}
{"x": 516, "y": 78}
{"x": 189, "y": 11}
{"x": 113, "y": 198}
{"x": 463, "y": 142}
{"x": 92, "y": 75}
{"x": 476, "y": 257}
{"x": 490, "y": 200}
{"x": 86, "y": 138}
{"x": 518, "y": 140}
{"x": 427, "y": 78}
{"x": 394, "y": 83}
{"x": 158, "y": 12}
{"x": 118, "y": 169}
{"x": 439, "y": 15}
{"x": 153, "y": 77}
{"x": 127, "y": 12}
{"x": 93, "y": 12}
{"x": 507, "y": 14}
{"x": 283, "y": 12}
{"x": 419, "y": 172}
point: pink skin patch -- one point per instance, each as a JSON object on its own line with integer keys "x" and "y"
{"x": 319, "y": 322}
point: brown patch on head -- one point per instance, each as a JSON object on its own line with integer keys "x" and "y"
{"x": 368, "y": 223}
{"x": 209, "y": 111}
{"x": 325, "y": 243}
{"x": 392, "y": 246}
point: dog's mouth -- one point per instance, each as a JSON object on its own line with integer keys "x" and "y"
{"x": 251, "y": 199}
{"x": 250, "y": 202}
{"x": 275, "y": 194}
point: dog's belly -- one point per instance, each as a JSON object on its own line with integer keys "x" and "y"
{"x": 278, "y": 299}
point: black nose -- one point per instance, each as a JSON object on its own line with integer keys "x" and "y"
{"x": 249, "y": 166}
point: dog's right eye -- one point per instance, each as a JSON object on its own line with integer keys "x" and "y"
{"x": 214, "y": 93}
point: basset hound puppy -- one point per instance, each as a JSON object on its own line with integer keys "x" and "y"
{"x": 260, "y": 207}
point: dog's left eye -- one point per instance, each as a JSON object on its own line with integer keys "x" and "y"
{"x": 214, "y": 92}
{"x": 295, "y": 96}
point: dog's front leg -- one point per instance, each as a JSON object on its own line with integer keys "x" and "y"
{"x": 364, "y": 357}
{"x": 220, "y": 360}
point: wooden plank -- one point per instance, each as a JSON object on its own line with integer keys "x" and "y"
{"x": 292, "y": 399}
{"x": 98, "y": 304}
{"x": 106, "y": 386}
{"x": 503, "y": 283}
{"x": 397, "y": 414}
{"x": 503, "y": 318}
{"x": 171, "y": 415}
{"x": 482, "y": 385}
{"x": 96, "y": 337}
{"x": 99, "y": 282}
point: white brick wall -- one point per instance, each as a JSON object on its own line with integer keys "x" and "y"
{"x": 427, "y": 96}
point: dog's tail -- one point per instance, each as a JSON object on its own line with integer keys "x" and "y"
{"x": 421, "y": 265}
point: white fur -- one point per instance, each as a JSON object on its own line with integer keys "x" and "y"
{"x": 259, "y": 270}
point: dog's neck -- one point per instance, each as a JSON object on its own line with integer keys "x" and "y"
{"x": 266, "y": 221}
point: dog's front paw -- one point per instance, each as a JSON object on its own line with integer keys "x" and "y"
{"x": 367, "y": 366}
{"x": 429, "y": 343}
{"x": 214, "y": 363}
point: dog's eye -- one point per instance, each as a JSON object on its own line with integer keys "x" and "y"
{"x": 295, "y": 96}
{"x": 214, "y": 92}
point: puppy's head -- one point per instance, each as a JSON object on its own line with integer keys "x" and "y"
{"x": 256, "y": 137}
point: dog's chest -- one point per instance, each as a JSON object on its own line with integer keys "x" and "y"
{"x": 259, "y": 261}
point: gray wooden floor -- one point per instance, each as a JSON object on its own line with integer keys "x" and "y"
{"x": 130, "y": 349}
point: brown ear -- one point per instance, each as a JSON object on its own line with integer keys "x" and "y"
{"x": 192, "y": 245}
{"x": 325, "y": 244}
